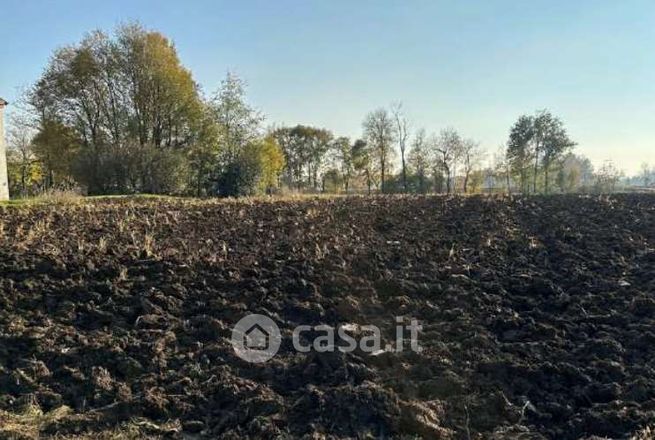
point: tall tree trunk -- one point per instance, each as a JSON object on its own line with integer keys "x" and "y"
{"x": 23, "y": 179}
{"x": 536, "y": 171}
{"x": 439, "y": 182}
{"x": 199, "y": 181}
{"x": 368, "y": 181}
{"x": 402, "y": 153}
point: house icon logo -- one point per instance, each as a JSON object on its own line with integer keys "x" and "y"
{"x": 256, "y": 338}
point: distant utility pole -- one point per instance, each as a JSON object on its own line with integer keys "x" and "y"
{"x": 4, "y": 181}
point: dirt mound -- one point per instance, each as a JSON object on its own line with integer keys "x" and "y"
{"x": 538, "y": 318}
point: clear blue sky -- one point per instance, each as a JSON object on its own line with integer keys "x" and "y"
{"x": 473, "y": 65}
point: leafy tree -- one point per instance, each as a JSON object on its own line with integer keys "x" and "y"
{"x": 254, "y": 171}
{"x": 305, "y": 149}
{"x": 519, "y": 150}
{"x": 419, "y": 160}
{"x": 120, "y": 95}
{"x": 540, "y": 139}
{"x": 272, "y": 163}
{"x": 344, "y": 157}
{"x": 238, "y": 122}
{"x": 471, "y": 158}
{"x": 364, "y": 164}
{"x": 476, "y": 180}
{"x": 203, "y": 154}
{"x": 55, "y": 146}
{"x": 164, "y": 101}
{"x": 240, "y": 177}
{"x": 240, "y": 164}
{"x": 573, "y": 173}
{"x": 550, "y": 137}
{"x": 319, "y": 142}
{"x": 287, "y": 140}
{"x": 332, "y": 180}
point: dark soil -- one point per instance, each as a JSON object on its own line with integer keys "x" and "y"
{"x": 538, "y": 316}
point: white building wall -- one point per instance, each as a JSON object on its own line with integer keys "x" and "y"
{"x": 4, "y": 184}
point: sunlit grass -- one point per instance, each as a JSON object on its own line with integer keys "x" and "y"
{"x": 32, "y": 422}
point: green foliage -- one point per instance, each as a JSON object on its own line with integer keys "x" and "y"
{"x": 363, "y": 163}
{"x": 333, "y": 181}
{"x": 419, "y": 162}
{"x": 120, "y": 114}
{"x": 240, "y": 177}
{"x": 129, "y": 105}
{"x": 25, "y": 177}
{"x": 305, "y": 149}
{"x": 238, "y": 123}
{"x": 203, "y": 154}
{"x": 55, "y": 145}
{"x": 476, "y": 179}
{"x": 519, "y": 149}
{"x": 573, "y": 173}
{"x": 345, "y": 160}
{"x": 247, "y": 164}
{"x": 255, "y": 170}
{"x": 535, "y": 144}
{"x": 273, "y": 162}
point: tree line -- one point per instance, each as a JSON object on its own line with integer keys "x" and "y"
{"x": 119, "y": 114}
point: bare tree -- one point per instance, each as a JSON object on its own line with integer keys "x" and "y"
{"x": 20, "y": 153}
{"x": 402, "y": 135}
{"x": 608, "y": 177}
{"x": 379, "y": 132}
{"x": 447, "y": 149}
{"x": 646, "y": 173}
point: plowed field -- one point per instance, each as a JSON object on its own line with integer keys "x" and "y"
{"x": 538, "y": 317}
